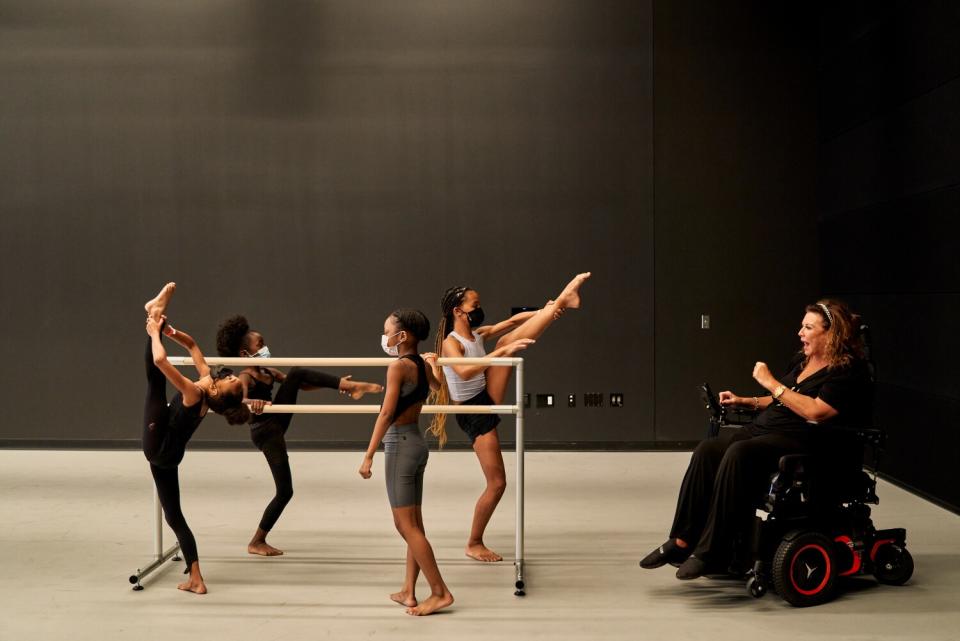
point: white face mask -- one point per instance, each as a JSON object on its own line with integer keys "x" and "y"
{"x": 390, "y": 350}
{"x": 263, "y": 352}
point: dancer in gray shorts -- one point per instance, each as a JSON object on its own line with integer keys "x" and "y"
{"x": 408, "y": 384}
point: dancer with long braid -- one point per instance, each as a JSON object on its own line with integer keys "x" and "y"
{"x": 461, "y": 333}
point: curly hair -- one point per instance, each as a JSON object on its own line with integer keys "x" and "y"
{"x": 844, "y": 341}
{"x": 230, "y": 335}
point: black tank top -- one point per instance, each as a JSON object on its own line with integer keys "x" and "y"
{"x": 182, "y": 422}
{"x": 419, "y": 393}
{"x": 263, "y": 392}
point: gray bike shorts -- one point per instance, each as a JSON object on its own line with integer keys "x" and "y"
{"x": 406, "y": 454}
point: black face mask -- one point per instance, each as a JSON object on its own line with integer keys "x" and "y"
{"x": 475, "y": 318}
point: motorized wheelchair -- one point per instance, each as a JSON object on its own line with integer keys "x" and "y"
{"x": 817, "y": 526}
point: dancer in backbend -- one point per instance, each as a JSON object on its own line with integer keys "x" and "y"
{"x": 267, "y": 431}
{"x": 168, "y": 428}
{"x": 461, "y": 333}
{"x": 408, "y": 384}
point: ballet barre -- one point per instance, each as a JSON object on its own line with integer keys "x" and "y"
{"x": 516, "y": 409}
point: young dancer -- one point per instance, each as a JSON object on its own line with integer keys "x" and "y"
{"x": 406, "y": 453}
{"x": 168, "y": 428}
{"x": 267, "y": 431}
{"x": 462, "y": 333}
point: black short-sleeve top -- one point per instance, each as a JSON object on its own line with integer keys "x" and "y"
{"x": 847, "y": 389}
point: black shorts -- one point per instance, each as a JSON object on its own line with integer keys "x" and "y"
{"x": 474, "y": 425}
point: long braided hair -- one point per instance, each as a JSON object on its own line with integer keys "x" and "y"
{"x": 451, "y": 299}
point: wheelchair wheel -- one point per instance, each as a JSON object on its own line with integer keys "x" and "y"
{"x": 893, "y": 565}
{"x": 756, "y": 587}
{"x": 804, "y": 569}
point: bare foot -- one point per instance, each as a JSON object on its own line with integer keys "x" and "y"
{"x": 481, "y": 552}
{"x": 157, "y": 305}
{"x": 356, "y": 389}
{"x": 194, "y": 584}
{"x": 404, "y": 598}
{"x": 431, "y": 605}
{"x": 263, "y": 549}
{"x": 569, "y": 298}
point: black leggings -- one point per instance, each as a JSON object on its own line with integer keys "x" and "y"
{"x": 156, "y": 424}
{"x": 268, "y": 436}
{"x": 723, "y": 486}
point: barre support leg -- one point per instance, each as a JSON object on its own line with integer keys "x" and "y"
{"x": 519, "y": 584}
{"x": 159, "y": 555}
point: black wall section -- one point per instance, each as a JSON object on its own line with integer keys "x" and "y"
{"x": 735, "y": 152}
{"x": 890, "y": 193}
{"x": 316, "y": 164}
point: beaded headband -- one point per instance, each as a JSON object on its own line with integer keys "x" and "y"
{"x": 826, "y": 310}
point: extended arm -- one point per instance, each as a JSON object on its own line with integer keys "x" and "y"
{"x": 186, "y": 341}
{"x": 504, "y": 326}
{"x": 191, "y": 393}
{"x": 811, "y": 409}
{"x": 453, "y": 349}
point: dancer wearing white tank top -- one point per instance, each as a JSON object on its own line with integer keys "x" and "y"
{"x": 461, "y": 333}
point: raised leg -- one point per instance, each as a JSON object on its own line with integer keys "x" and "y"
{"x": 356, "y": 389}
{"x": 156, "y": 306}
{"x": 499, "y": 377}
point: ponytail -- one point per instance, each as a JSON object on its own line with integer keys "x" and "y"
{"x": 451, "y": 298}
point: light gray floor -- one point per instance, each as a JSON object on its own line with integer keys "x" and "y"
{"x": 75, "y": 524}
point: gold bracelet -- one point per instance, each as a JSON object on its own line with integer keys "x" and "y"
{"x": 756, "y": 403}
{"x": 778, "y": 392}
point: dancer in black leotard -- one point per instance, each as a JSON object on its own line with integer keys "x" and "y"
{"x": 267, "y": 431}
{"x": 168, "y": 428}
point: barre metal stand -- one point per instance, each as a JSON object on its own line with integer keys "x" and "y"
{"x": 519, "y": 585}
{"x": 160, "y": 556}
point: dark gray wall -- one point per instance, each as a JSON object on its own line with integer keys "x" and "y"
{"x": 890, "y": 193}
{"x": 735, "y": 153}
{"x": 316, "y": 164}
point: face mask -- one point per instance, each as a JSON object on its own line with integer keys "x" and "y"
{"x": 475, "y": 318}
{"x": 263, "y": 352}
{"x": 391, "y": 351}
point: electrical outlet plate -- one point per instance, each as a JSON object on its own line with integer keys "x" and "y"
{"x": 545, "y": 401}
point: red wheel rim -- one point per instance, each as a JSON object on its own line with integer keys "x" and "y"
{"x": 826, "y": 575}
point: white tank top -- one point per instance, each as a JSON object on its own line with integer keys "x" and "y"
{"x": 461, "y": 390}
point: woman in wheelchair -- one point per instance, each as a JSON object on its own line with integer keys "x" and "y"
{"x": 828, "y": 383}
